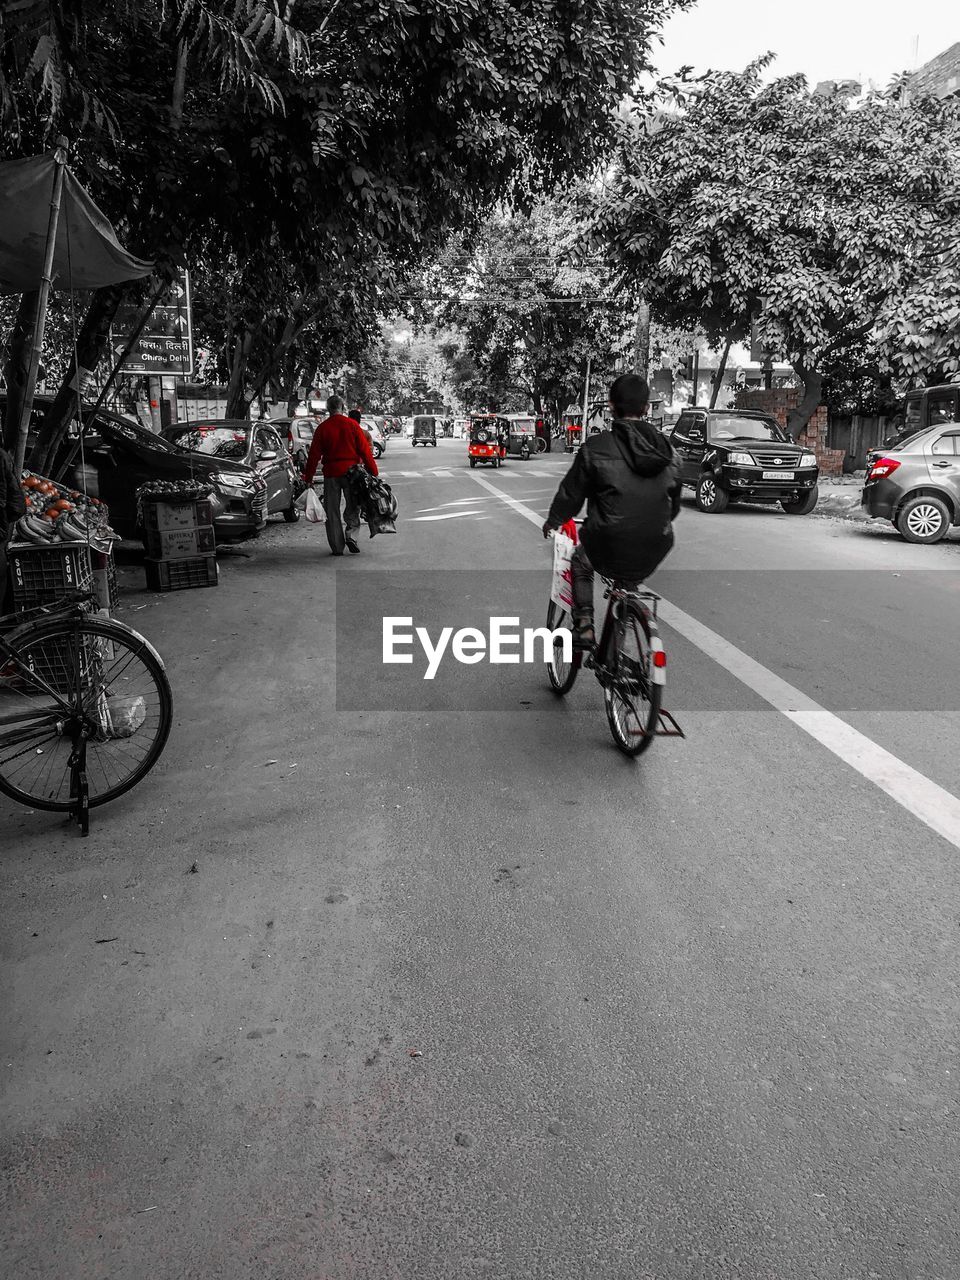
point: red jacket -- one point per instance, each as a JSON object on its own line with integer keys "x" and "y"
{"x": 339, "y": 444}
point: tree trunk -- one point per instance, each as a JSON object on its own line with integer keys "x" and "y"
{"x": 238, "y": 401}
{"x": 179, "y": 88}
{"x": 274, "y": 361}
{"x": 798, "y": 418}
{"x": 718, "y": 376}
{"x": 641, "y": 341}
{"x": 91, "y": 341}
{"x": 18, "y": 365}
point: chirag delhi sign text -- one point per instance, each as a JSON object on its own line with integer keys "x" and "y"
{"x": 166, "y": 343}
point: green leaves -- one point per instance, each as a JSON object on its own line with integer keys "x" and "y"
{"x": 726, "y": 191}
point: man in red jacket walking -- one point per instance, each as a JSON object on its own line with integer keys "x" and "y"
{"x": 339, "y": 443}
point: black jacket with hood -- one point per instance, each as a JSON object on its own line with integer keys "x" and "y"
{"x": 630, "y": 479}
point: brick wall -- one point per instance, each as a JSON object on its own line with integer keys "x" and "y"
{"x": 778, "y": 404}
{"x": 940, "y": 77}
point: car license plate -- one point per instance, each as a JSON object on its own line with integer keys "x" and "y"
{"x": 778, "y": 475}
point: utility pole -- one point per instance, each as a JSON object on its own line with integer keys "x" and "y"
{"x": 586, "y": 403}
{"x": 696, "y": 375}
{"x": 641, "y": 340}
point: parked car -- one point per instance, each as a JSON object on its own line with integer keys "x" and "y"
{"x": 374, "y": 427}
{"x": 119, "y": 455}
{"x": 928, "y": 407}
{"x": 917, "y": 485}
{"x": 297, "y": 433}
{"x": 734, "y": 455}
{"x": 254, "y": 443}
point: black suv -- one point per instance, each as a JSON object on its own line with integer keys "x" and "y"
{"x": 733, "y": 455}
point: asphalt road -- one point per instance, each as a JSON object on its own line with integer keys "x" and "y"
{"x": 456, "y": 990}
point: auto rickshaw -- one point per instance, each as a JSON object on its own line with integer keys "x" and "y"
{"x": 485, "y": 441}
{"x": 572, "y": 431}
{"x": 521, "y": 436}
{"x": 424, "y": 430}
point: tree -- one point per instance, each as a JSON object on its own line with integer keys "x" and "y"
{"x": 531, "y": 309}
{"x": 728, "y": 195}
{"x": 352, "y": 137}
{"x": 918, "y": 339}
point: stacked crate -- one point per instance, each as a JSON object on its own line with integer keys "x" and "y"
{"x": 181, "y": 549}
{"x": 43, "y": 574}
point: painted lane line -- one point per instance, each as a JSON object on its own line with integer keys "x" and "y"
{"x": 936, "y": 807}
{"x": 931, "y": 803}
{"x": 447, "y": 515}
{"x": 454, "y": 502}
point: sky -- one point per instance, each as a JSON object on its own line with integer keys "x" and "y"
{"x": 825, "y": 39}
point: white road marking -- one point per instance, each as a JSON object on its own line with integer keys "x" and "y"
{"x": 449, "y": 515}
{"x": 454, "y": 502}
{"x": 926, "y": 800}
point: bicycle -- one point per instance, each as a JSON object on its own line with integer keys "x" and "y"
{"x": 629, "y": 662}
{"x": 85, "y": 707}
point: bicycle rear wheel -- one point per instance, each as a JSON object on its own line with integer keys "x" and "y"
{"x": 632, "y": 695}
{"x": 87, "y": 681}
{"x": 561, "y": 673}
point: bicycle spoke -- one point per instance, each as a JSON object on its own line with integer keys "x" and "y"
{"x": 115, "y": 711}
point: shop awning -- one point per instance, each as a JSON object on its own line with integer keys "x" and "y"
{"x": 96, "y": 257}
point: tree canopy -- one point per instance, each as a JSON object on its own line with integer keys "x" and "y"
{"x": 531, "y": 306}
{"x": 728, "y": 195}
{"x": 340, "y": 141}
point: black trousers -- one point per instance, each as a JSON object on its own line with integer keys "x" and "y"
{"x": 336, "y": 490}
{"x": 581, "y": 572}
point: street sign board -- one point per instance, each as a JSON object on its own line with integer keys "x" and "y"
{"x": 166, "y": 342}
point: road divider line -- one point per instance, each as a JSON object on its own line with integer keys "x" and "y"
{"x": 936, "y": 807}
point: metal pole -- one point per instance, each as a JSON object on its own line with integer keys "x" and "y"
{"x": 46, "y": 280}
{"x": 586, "y": 403}
{"x": 88, "y": 415}
{"x": 696, "y": 375}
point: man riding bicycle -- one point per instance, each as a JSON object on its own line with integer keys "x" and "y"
{"x": 630, "y": 479}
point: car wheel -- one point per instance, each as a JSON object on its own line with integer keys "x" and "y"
{"x": 377, "y": 449}
{"x": 923, "y": 519}
{"x": 473, "y": 462}
{"x": 292, "y": 513}
{"x": 710, "y": 497}
{"x": 801, "y": 506}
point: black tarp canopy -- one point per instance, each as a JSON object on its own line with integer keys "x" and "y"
{"x": 95, "y": 257}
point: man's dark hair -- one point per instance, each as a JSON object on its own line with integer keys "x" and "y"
{"x": 355, "y": 414}
{"x": 335, "y": 405}
{"x": 630, "y": 395}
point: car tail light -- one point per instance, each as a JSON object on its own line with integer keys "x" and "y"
{"x": 883, "y": 467}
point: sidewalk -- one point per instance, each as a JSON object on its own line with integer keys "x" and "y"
{"x": 840, "y": 498}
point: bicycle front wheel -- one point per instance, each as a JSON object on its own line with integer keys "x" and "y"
{"x": 632, "y": 695}
{"x": 560, "y": 672}
{"x": 84, "y": 685}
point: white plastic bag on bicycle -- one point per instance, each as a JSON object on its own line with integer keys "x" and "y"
{"x": 313, "y": 507}
{"x": 561, "y": 589}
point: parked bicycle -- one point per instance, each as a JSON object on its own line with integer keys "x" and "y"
{"x": 85, "y": 707}
{"x": 629, "y": 661}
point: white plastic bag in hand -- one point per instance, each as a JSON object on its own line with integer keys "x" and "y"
{"x": 561, "y": 588}
{"x": 314, "y": 508}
